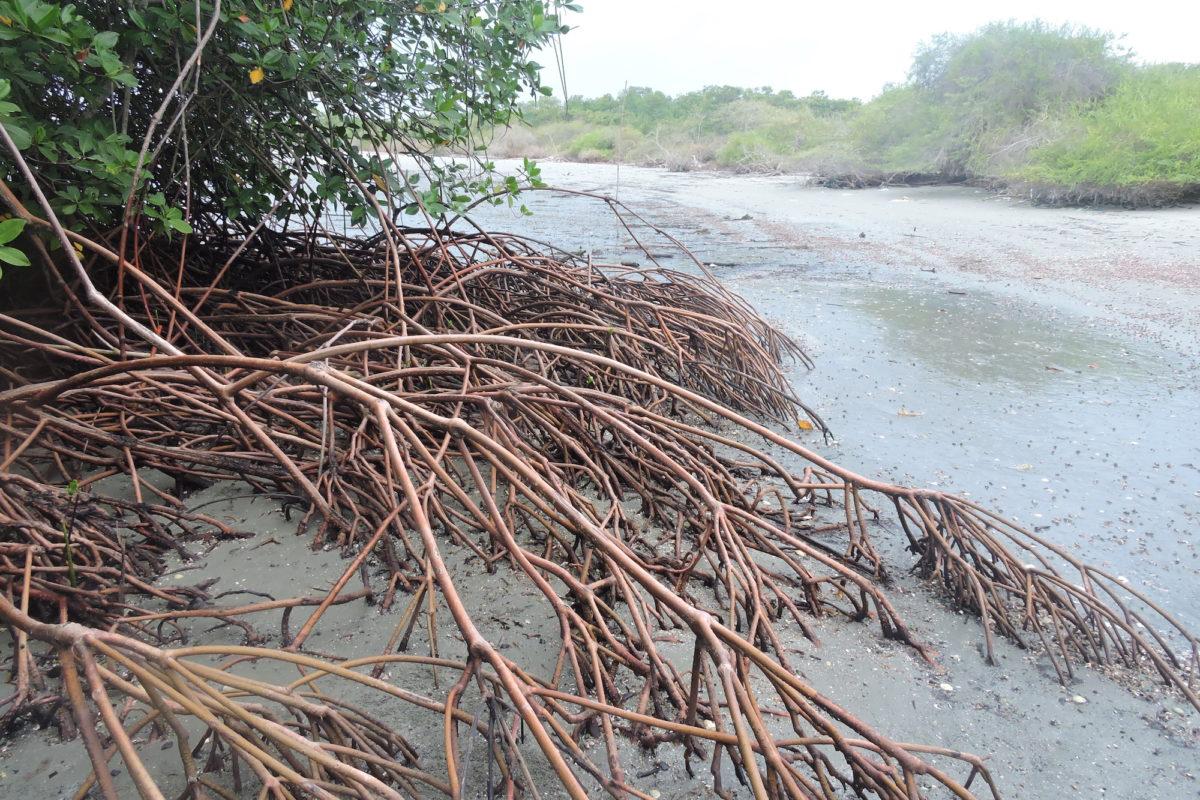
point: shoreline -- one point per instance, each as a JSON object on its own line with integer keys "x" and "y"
{"x": 1151, "y": 195}
{"x": 1138, "y": 269}
{"x": 941, "y": 362}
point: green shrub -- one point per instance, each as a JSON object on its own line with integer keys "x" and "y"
{"x": 969, "y": 95}
{"x": 901, "y": 131}
{"x": 1147, "y": 131}
{"x": 1013, "y": 101}
{"x": 602, "y": 143}
{"x": 1009, "y": 72}
{"x": 752, "y": 148}
{"x": 286, "y": 94}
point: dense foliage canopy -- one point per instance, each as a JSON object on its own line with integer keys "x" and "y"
{"x": 295, "y": 102}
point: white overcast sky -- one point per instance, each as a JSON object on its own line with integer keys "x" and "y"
{"x": 848, "y": 48}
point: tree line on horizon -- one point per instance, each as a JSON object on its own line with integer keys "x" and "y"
{"x": 1062, "y": 112}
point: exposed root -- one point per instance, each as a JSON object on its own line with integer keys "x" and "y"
{"x": 572, "y": 423}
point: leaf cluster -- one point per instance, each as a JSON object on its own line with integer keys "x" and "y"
{"x": 296, "y": 106}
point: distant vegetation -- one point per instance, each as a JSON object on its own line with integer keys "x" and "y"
{"x": 1062, "y": 114}
{"x": 723, "y": 126}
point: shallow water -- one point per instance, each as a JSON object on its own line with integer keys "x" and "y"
{"x": 973, "y": 340}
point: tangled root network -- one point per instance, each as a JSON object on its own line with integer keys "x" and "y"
{"x": 608, "y": 436}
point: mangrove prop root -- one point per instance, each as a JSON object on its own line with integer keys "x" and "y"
{"x": 610, "y": 435}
